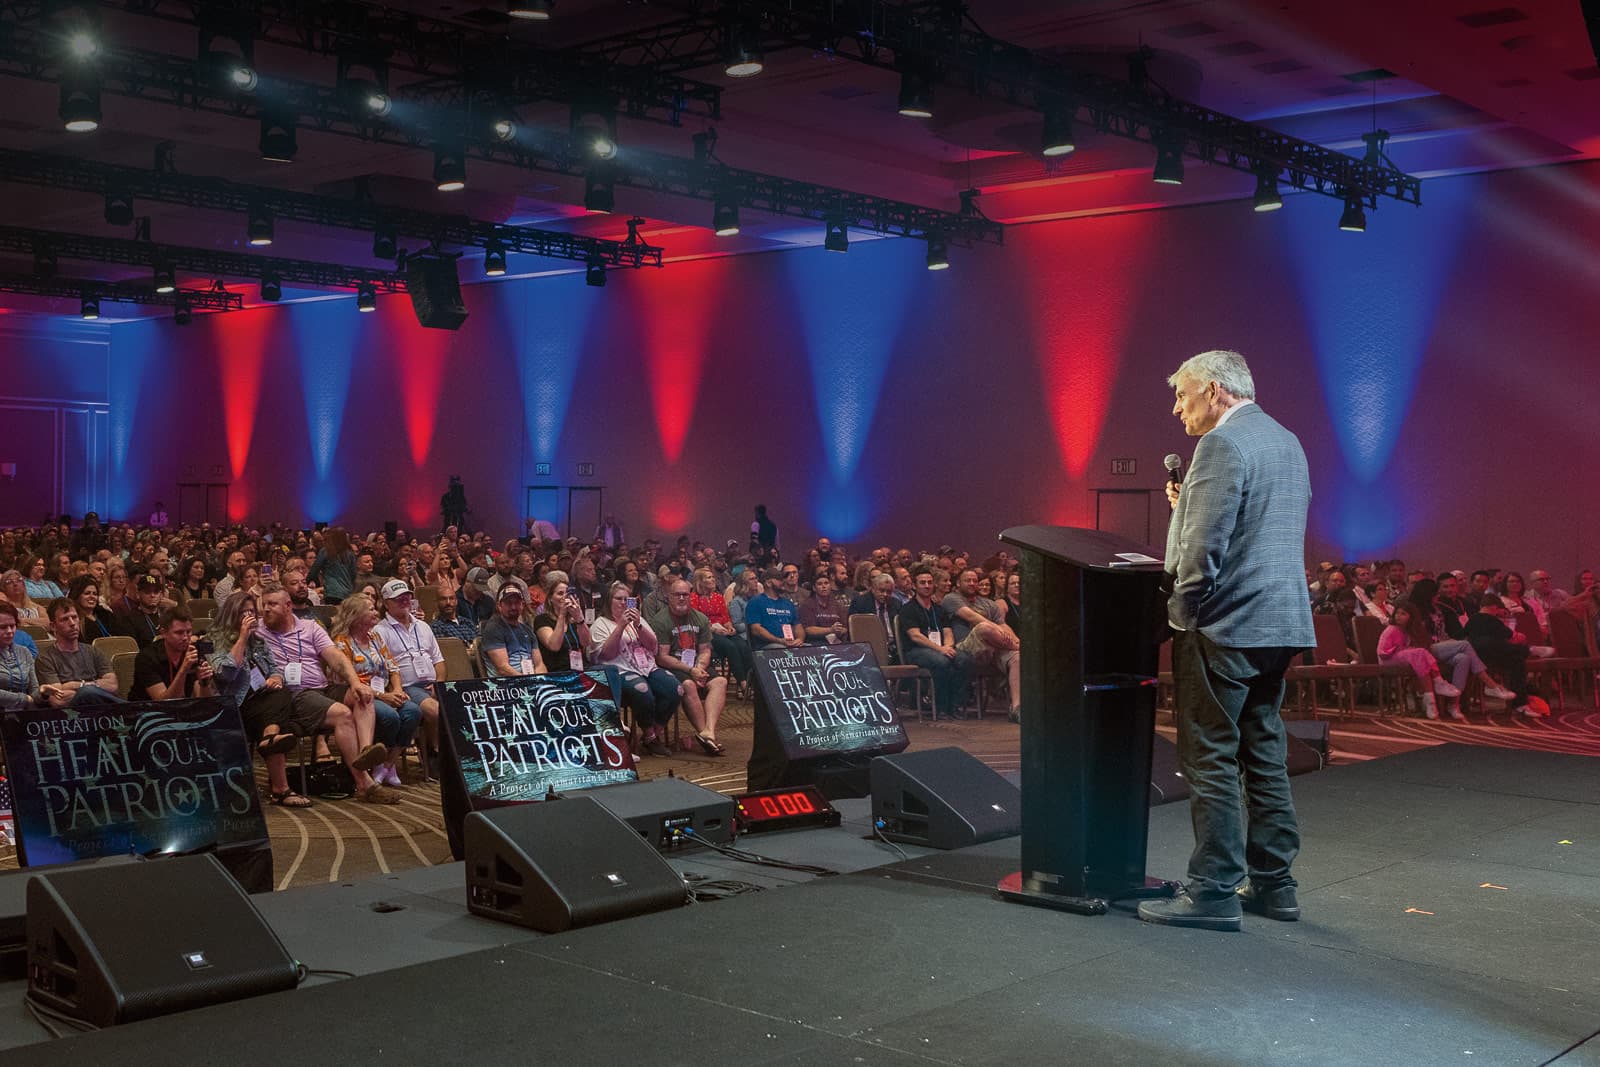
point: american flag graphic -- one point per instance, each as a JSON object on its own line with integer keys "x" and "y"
{"x": 7, "y": 834}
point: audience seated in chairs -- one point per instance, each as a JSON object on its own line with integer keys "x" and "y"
{"x": 71, "y": 668}
{"x": 143, "y": 623}
{"x": 1406, "y": 640}
{"x": 94, "y": 621}
{"x": 415, "y": 649}
{"x": 15, "y": 592}
{"x": 326, "y": 690}
{"x": 173, "y": 666}
{"x": 396, "y": 717}
{"x": 247, "y": 677}
{"x": 19, "y": 685}
{"x": 507, "y": 643}
{"x": 726, "y": 643}
{"x": 620, "y": 638}
{"x": 1502, "y": 650}
{"x": 683, "y": 647}
{"x": 929, "y": 642}
{"x": 979, "y": 627}
{"x": 879, "y": 601}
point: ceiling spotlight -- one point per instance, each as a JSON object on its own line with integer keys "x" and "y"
{"x": 1267, "y": 196}
{"x": 278, "y": 143}
{"x": 1354, "y": 219}
{"x": 385, "y": 241}
{"x": 838, "y": 236}
{"x": 503, "y": 127}
{"x": 449, "y": 169}
{"x": 366, "y": 297}
{"x": 1169, "y": 162}
{"x": 725, "y": 216}
{"x": 595, "y": 272}
{"x": 594, "y": 131}
{"x": 81, "y": 44}
{"x": 165, "y": 277}
{"x": 363, "y": 85}
{"x": 119, "y": 209}
{"x": 227, "y": 52}
{"x": 599, "y": 193}
{"x": 244, "y": 78}
{"x": 938, "y": 256}
{"x": 271, "y": 287}
{"x": 531, "y": 10}
{"x": 181, "y": 314}
{"x": 80, "y": 103}
{"x": 494, "y": 259}
{"x": 90, "y": 308}
{"x": 258, "y": 226}
{"x": 916, "y": 94}
{"x": 741, "y": 52}
{"x": 1057, "y": 139}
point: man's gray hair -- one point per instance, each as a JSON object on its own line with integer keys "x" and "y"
{"x": 1227, "y": 369}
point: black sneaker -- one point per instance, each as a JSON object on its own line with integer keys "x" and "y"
{"x": 1281, "y": 903}
{"x": 1184, "y": 910}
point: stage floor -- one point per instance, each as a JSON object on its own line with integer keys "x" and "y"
{"x": 1452, "y": 901}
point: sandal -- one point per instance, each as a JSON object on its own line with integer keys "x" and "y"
{"x": 275, "y": 744}
{"x": 290, "y": 799}
{"x": 710, "y": 744}
{"x": 379, "y": 794}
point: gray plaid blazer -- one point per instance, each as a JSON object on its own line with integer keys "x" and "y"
{"x": 1236, "y": 543}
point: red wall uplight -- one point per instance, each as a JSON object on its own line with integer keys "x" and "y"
{"x": 241, "y": 353}
{"x": 420, "y": 361}
{"x": 678, "y": 306}
{"x": 1079, "y": 320}
{"x": 670, "y": 510}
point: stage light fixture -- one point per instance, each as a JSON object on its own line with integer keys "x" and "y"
{"x": 166, "y": 279}
{"x": 503, "y": 126}
{"x": 181, "y": 313}
{"x": 363, "y": 85}
{"x": 271, "y": 287}
{"x": 278, "y": 142}
{"x": 594, "y": 131}
{"x": 385, "y": 241}
{"x": 80, "y": 103}
{"x": 1169, "y": 162}
{"x": 258, "y": 226}
{"x": 741, "y": 52}
{"x": 119, "y": 209}
{"x": 1267, "y": 197}
{"x": 595, "y": 272}
{"x": 1354, "y": 219}
{"x": 90, "y": 307}
{"x": 837, "y": 238}
{"x": 366, "y": 297}
{"x": 81, "y": 44}
{"x": 449, "y": 169}
{"x": 599, "y": 193}
{"x": 916, "y": 94}
{"x": 530, "y": 10}
{"x": 1057, "y": 139}
{"x": 227, "y": 52}
{"x": 494, "y": 259}
{"x": 725, "y": 216}
{"x": 938, "y": 255}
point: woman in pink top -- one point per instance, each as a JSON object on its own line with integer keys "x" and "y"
{"x": 1406, "y": 640}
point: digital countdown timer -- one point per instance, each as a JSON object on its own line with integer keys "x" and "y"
{"x": 796, "y": 808}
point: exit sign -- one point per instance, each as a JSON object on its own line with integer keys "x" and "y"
{"x": 1124, "y": 466}
{"x": 586, "y": 470}
{"x": 541, "y": 470}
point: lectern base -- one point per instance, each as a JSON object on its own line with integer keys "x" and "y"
{"x": 1011, "y": 888}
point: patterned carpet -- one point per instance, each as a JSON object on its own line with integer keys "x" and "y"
{"x": 346, "y": 840}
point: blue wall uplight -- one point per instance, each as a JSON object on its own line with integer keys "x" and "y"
{"x": 325, "y": 335}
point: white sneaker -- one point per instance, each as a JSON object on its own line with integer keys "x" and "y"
{"x": 1455, "y": 714}
{"x": 1542, "y": 651}
{"x": 1445, "y": 689}
{"x": 1525, "y": 710}
{"x": 1429, "y": 706}
{"x": 1499, "y": 692}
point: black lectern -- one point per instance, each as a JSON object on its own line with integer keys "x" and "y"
{"x": 1092, "y": 617}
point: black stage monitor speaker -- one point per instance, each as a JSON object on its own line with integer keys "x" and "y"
{"x": 1303, "y": 734}
{"x": 942, "y": 798}
{"x": 14, "y": 911}
{"x": 435, "y": 292}
{"x": 114, "y": 944}
{"x": 557, "y": 864}
{"x": 670, "y": 813}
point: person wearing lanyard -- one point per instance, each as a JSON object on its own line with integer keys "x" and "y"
{"x": 397, "y": 716}
{"x": 97, "y": 621}
{"x": 563, "y": 635}
{"x": 929, "y": 642}
{"x": 19, "y": 688}
{"x": 143, "y": 623}
{"x": 416, "y": 653}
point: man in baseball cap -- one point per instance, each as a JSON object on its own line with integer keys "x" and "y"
{"x": 506, "y": 641}
{"x": 143, "y": 622}
{"x": 416, "y": 655}
{"x": 473, "y": 603}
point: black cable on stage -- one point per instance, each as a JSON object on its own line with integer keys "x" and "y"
{"x": 302, "y": 972}
{"x": 877, "y": 829}
{"x": 47, "y": 1017}
{"x": 702, "y": 889}
{"x": 750, "y": 857}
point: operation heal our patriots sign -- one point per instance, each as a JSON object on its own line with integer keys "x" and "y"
{"x": 819, "y": 705}
{"x": 513, "y": 740}
{"x": 149, "y": 777}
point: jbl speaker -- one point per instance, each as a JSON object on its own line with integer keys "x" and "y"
{"x": 435, "y": 292}
{"x": 114, "y": 944}
{"x": 942, "y": 798}
{"x": 557, "y": 864}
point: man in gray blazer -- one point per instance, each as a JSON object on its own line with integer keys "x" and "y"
{"x": 1240, "y": 613}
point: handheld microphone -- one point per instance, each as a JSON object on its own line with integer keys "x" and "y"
{"x": 1174, "y": 465}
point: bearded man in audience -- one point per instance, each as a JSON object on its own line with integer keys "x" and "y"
{"x": 1543, "y": 591}
{"x": 979, "y": 627}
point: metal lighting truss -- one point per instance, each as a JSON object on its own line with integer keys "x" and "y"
{"x": 935, "y": 41}
{"x": 119, "y": 292}
{"x": 219, "y": 194}
{"x": 24, "y": 52}
{"x": 208, "y": 261}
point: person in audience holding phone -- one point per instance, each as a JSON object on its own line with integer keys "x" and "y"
{"x": 619, "y": 638}
{"x": 396, "y": 715}
{"x": 176, "y": 666}
{"x": 563, "y": 635}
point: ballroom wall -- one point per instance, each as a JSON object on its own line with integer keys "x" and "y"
{"x": 1437, "y": 369}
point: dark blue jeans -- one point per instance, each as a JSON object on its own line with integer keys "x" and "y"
{"x": 653, "y": 697}
{"x": 949, "y": 675}
{"x": 1230, "y": 734}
